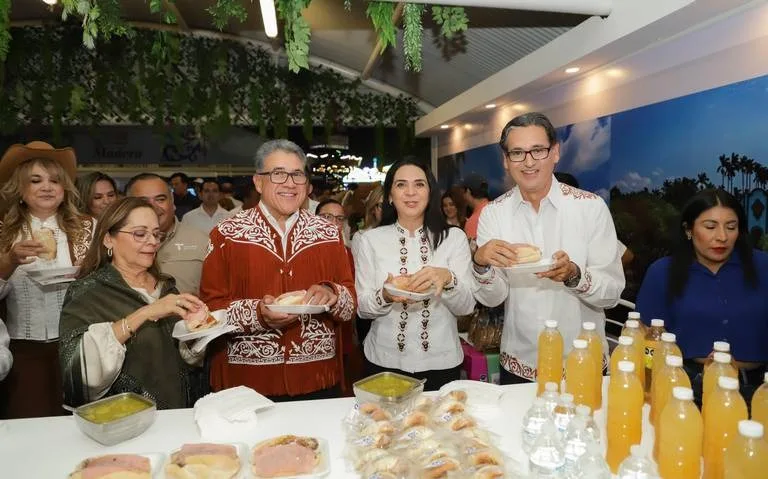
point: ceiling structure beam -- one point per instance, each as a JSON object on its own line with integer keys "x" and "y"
{"x": 375, "y": 57}
{"x": 171, "y": 7}
{"x": 583, "y": 7}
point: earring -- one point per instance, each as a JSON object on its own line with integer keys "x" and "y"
{"x": 109, "y": 252}
{"x": 689, "y": 236}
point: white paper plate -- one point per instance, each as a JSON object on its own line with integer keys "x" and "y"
{"x": 322, "y": 469}
{"x": 243, "y": 453}
{"x": 156, "y": 462}
{"x": 408, "y": 294}
{"x": 181, "y": 332}
{"x": 298, "y": 308}
{"x": 47, "y": 276}
{"x": 544, "y": 264}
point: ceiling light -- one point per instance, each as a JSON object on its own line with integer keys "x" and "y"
{"x": 519, "y": 107}
{"x": 444, "y": 127}
{"x": 490, "y": 105}
{"x": 269, "y": 17}
{"x": 615, "y": 73}
{"x": 572, "y": 70}
{"x": 468, "y": 126}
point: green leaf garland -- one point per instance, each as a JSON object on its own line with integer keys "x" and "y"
{"x": 5, "y": 34}
{"x": 224, "y": 10}
{"x": 412, "y": 32}
{"x": 451, "y": 20}
{"x": 380, "y": 14}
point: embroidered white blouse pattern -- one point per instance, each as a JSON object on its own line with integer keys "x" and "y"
{"x": 432, "y": 342}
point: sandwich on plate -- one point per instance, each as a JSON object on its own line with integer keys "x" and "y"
{"x": 294, "y": 298}
{"x": 199, "y": 320}
{"x": 202, "y": 461}
{"x": 285, "y": 456}
{"x": 114, "y": 466}
{"x": 527, "y": 254}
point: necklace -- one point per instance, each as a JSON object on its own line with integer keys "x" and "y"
{"x": 424, "y": 256}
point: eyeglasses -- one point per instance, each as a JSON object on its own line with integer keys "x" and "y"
{"x": 331, "y": 217}
{"x": 379, "y": 205}
{"x": 518, "y": 156}
{"x": 142, "y": 236}
{"x": 279, "y": 177}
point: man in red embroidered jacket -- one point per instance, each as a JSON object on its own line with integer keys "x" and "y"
{"x": 261, "y": 253}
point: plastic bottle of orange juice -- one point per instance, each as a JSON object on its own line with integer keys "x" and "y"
{"x": 549, "y": 362}
{"x": 671, "y": 376}
{"x": 718, "y": 347}
{"x": 760, "y": 403}
{"x": 633, "y": 329}
{"x": 747, "y": 455}
{"x": 635, "y": 316}
{"x": 721, "y": 367}
{"x": 721, "y": 422}
{"x": 666, "y": 347}
{"x": 680, "y": 437}
{"x": 652, "y": 340}
{"x": 595, "y": 346}
{"x": 625, "y": 351}
{"x": 580, "y": 376}
{"x": 624, "y": 422}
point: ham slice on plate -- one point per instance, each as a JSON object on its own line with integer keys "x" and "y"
{"x": 285, "y": 456}
{"x": 127, "y": 465}
{"x": 204, "y": 461}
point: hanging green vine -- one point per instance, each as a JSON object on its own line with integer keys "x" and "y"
{"x": 5, "y": 23}
{"x": 192, "y": 81}
{"x": 380, "y": 14}
{"x": 223, "y": 10}
{"x": 452, "y": 20}
{"x": 412, "y": 32}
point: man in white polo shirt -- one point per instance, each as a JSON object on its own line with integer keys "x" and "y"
{"x": 569, "y": 225}
{"x": 206, "y": 216}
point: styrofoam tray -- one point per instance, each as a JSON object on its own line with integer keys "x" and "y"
{"x": 544, "y": 264}
{"x": 156, "y": 462}
{"x": 408, "y": 294}
{"x": 243, "y": 453}
{"x": 181, "y": 332}
{"x": 48, "y": 276}
{"x": 298, "y": 308}
{"x": 323, "y": 467}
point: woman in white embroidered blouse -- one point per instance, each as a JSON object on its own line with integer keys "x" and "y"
{"x": 40, "y": 229}
{"x": 416, "y": 338}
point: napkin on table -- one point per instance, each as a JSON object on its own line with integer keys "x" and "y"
{"x": 229, "y": 414}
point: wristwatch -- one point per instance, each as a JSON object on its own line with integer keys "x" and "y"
{"x": 573, "y": 281}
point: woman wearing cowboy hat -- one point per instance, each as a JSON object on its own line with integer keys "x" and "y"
{"x": 40, "y": 229}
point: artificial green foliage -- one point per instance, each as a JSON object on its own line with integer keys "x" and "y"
{"x": 49, "y": 79}
{"x": 452, "y": 20}
{"x": 223, "y": 10}
{"x": 5, "y": 34}
{"x": 380, "y": 14}
{"x": 412, "y": 32}
{"x": 348, "y": 5}
{"x": 297, "y": 33}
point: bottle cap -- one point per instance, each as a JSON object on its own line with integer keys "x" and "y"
{"x": 668, "y": 337}
{"x": 566, "y": 398}
{"x": 751, "y": 429}
{"x": 550, "y": 323}
{"x": 726, "y": 382}
{"x": 657, "y": 323}
{"x": 636, "y": 450}
{"x": 583, "y": 410}
{"x": 539, "y": 401}
{"x": 580, "y": 343}
{"x": 722, "y": 358}
{"x": 683, "y": 394}
{"x": 674, "y": 361}
{"x": 551, "y": 387}
{"x": 633, "y": 315}
{"x": 589, "y": 326}
{"x": 632, "y": 323}
{"x": 626, "y": 366}
{"x": 722, "y": 347}
{"x": 626, "y": 340}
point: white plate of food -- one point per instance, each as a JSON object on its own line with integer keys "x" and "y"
{"x": 530, "y": 260}
{"x": 398, "y": 287}
{"x": 220, "y": 460}
{"x": 46, "y": 276}
{"x": 205, "y": 324}
{"x": 309, "y": 458}
{"x": 292, "y": 303}
{"x": 138, "y": 466}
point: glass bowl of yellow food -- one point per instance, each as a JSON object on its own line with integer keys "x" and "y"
{"x": 116, "y": 418}
{"x": 392, "y": 391}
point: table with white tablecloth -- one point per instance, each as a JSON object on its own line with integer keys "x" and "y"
{"x": 51, "y": 447}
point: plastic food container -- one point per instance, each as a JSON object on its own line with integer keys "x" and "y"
{"x": 117, "y": 418}
{"x": 392, "y": 391}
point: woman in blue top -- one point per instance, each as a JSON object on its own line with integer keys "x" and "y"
{"x": 714, "y": 287}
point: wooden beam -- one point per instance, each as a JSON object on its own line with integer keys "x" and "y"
{"x": 373, "y": 60}
{"x": 171, "y": 6}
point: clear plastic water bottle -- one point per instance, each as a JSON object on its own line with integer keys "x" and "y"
{"x": 591, "y": 426}
{"x": 550, "y": 396}
{"x": 533, "y": 421}
{"x": 564, "y": 412}
{"x": 637, "y": 466}
{"x": 578, "y": 437}
{"x": 592, "y": 464}
{"x": 547, "y": 459}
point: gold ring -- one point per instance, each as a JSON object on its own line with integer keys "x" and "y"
{"x": 178, "y": 302}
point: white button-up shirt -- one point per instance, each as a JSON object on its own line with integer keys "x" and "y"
{"x": 34, "y": 309}
{"x": 377, "y": 253}
{"x": 201, "y": 220}
{"x": 570, "y": 220}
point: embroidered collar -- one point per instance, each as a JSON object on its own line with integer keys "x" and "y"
{"x": 289, "y": 222}
{"x": 406, "y": 233}
{"x": 49, "y": 222}
{"x": 554, "y": 196}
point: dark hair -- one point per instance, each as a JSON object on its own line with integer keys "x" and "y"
{"x": 567, "y": 179}
{"x": 202, "y": 185}
{"x": 458, "y": 202}
{"x": 529, "y": 119}
{"x": 434, "y": 222}
{"x": 184, "y": 178}
{"x": 143, "y": 177}
{"x": 85, "y": 187}
{"x": 329, "y": 201}
{"x": 684, "y": 255}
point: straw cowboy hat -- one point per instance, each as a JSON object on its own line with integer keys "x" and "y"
{"x": 18, "y": 154}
